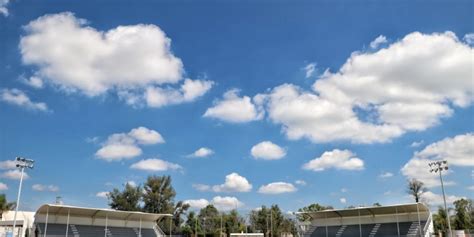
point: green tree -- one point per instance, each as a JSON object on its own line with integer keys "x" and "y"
{"x": 158, "y": 197}
{"x": 179, "y": 210}
{"x": 5, "y": 205}
{"x": 233, "y": 223}
{"x": 209, "y": 218}
{"x": 126, "y": 200}
{"x": 191, "y": 225}
{"x": 416, "y": 188}
{"x": 315, "y": 207}
{"x": 462, "y": 219}
{"x": 264, "y": 219}
{"x": 439, "y": 221}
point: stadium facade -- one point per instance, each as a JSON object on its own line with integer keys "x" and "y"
{"x": 390, "y": 221}
{"x": 52, "y": 220}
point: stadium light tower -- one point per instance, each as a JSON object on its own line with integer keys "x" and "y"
{"x": 21, "y": 163}
{"x": 438, "y": 167}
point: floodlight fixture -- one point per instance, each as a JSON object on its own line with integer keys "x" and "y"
{"x": 21, "y": 163}
{"x": 439, "y": 167}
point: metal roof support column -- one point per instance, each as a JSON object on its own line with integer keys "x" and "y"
{"x": 326, "y": 223}
{"x": 360, "y": 226}
{"x": 46, "y": 224}
{"x": 140, "y": 230}
{"x": 67, "y": 224}
{"x": 419, "y": 222}
{"x": 106, "y": 223}
{"x": 398, "y": 225}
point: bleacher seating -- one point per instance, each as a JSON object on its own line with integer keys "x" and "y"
{"x": 59, "y": 230}
{"x": 369, "y": 230}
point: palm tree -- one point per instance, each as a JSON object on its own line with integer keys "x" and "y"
{"x": 416, "y": 188}
{"x": 439, "y": 220}
{"x": 4, "y": 205}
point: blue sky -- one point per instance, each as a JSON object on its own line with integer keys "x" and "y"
{"x": 349, "y": 120}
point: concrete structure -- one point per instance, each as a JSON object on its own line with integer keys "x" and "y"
{"x": 397, "y": 220}
{"x": 23, "y": 224}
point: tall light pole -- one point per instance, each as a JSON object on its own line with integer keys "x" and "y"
{"x": 21, "y": 163}
{"x": 438, "y": 167}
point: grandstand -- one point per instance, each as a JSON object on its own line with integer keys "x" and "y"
{"x": 70, "y": 221}
{"x": 389, "y": 221}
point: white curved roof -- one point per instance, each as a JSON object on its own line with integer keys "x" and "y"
{"x": 102, "y": 213}
{"x": 368, "y": 211}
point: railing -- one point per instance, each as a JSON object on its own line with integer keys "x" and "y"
{"x": 158, "y": 231}
{"x": 427, "y": 226}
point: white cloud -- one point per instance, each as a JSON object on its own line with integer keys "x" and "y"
{"x": 471, "y": 188}
{"x": 3, "y": 7}
{"x": 309, "y": 69}
{"x": 202, "y": 187}
{"x": 378, "y": 96}
{"x": 417, "y": 143}
{"x": 378, "y": 41}
{"x": 197, "y": 203}
{"x": 14, "y": 174}
{"x": 119, "y": 146}
{"x": 154, "y": 164}
{"x": 343, "y": 200}
{"x": 102, "y": 194}
{"x": 469, "y": 38}
{"x": 233, "y": 183}
{"x": 202, "y": 152}
{"x": 437, "y": 199}
{"x": 3, "y": 186}
{"x": 190, "y": 90}
{"x": 235, "y": 109}
{"x": 277, "y": 188}
{"x": 267, "y": 150}
{"x": 300, "y": 182}
{"x": 146, "y": 136}
{"x": 33, "y": 81}
{"x": 385, "y": 175}
{"x": 226, "y": 203}
{"x": 130, "y": 60}
{"x": 343, "y": 190}
{"x": 131, "y": 183}
{"x": 338, "y": 159}
{"x": 43, "y": 188}
{"x": 19, "y": 98}
{"x": 458, "y": 151}
{"x": 7, "y": 164}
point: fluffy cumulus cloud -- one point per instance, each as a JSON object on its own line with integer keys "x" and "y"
{"x": 21, "y": 99}
{"x": 378, "y": 41}
{"x": 197, "y": 203}
{"x": 121, "y": 146}
{"x": 309, "y": 69}
{"x": 235, "y": 109}
{"x": 277, "y": 188}
{"x": 45, "y": 188}
{"x": 7, "y": 164}
{"x": 267, "y": 150}
{"x": 14, "y": 174}
{"x": 469, "y": 38}
{"x": 233, "y": 183}
{"x": 3, "y": 7}
{"x": 155, "y": 164}
{"x": 3, "y": 186}
{"x": 136, "y": 61}
{"x": 437, "y": 199}
{"x": 102, "y": 194}
{"x": 343, "y": 200}
{"x": 410, "y": 85}
{"x": 458, "y": 151}
{"x": 226, "y": 203}
{"x": 337, "y": 159}
{"x": 202, "y": 152}
{"x": 33, "y": 81}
